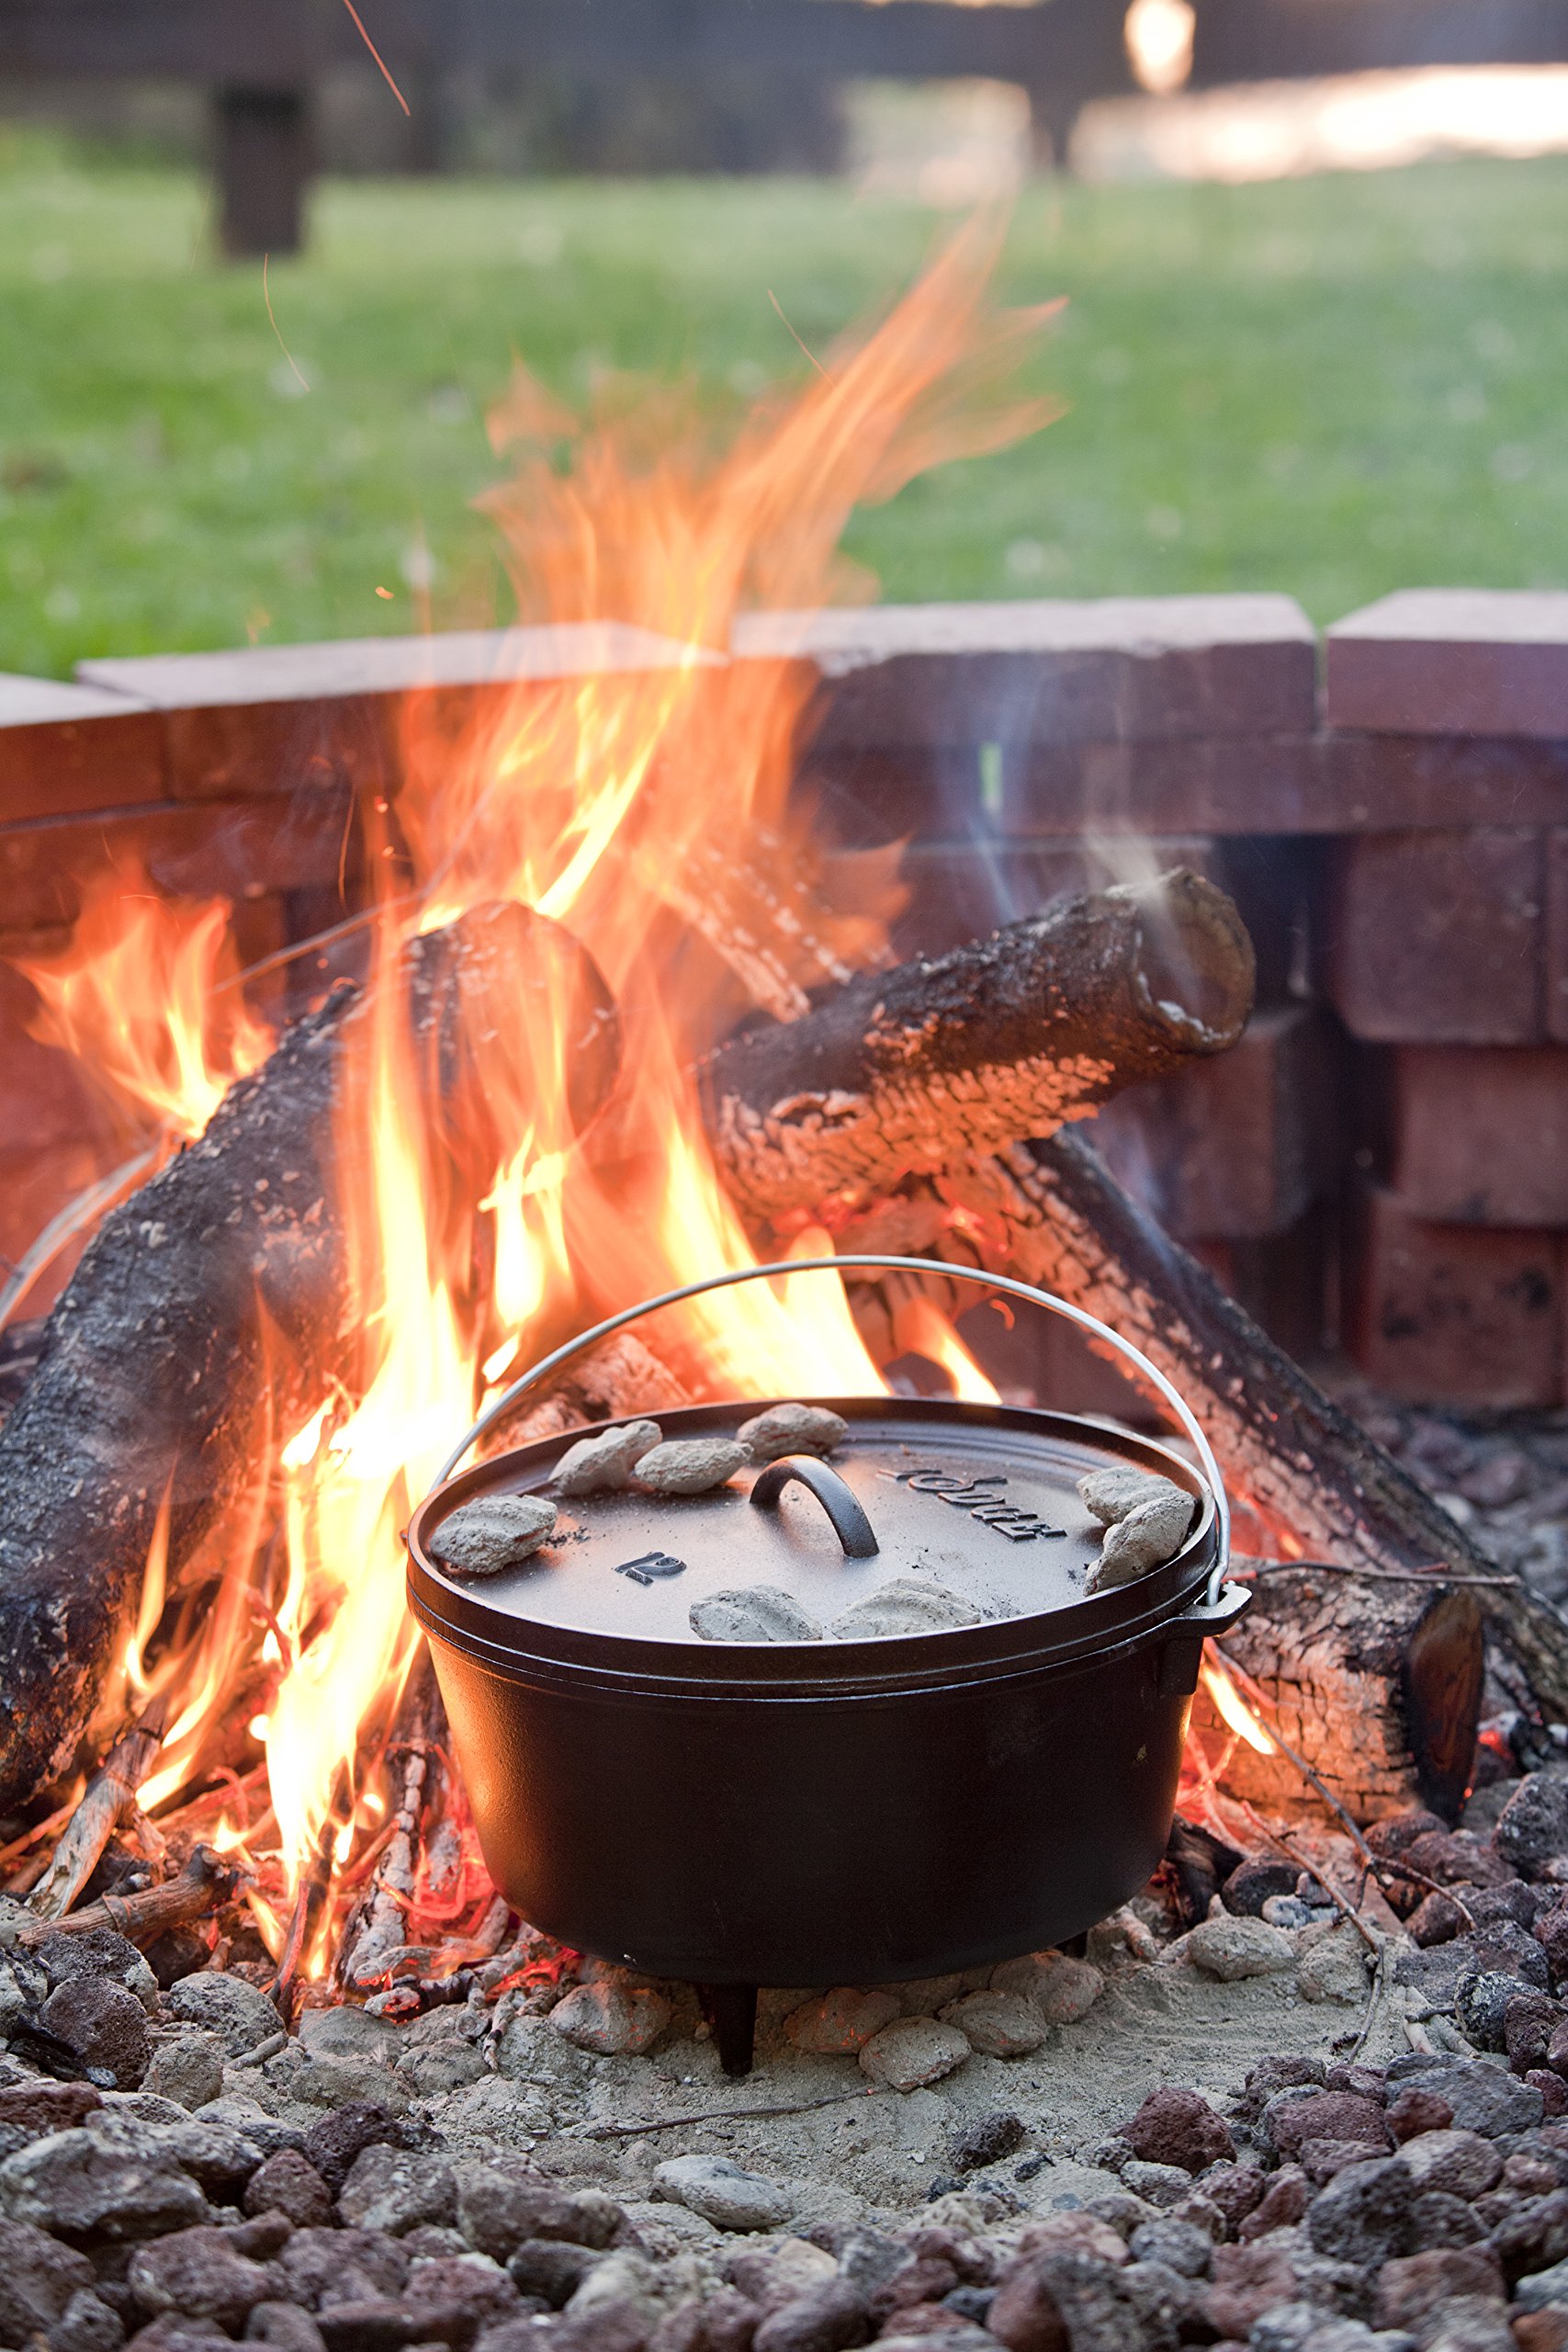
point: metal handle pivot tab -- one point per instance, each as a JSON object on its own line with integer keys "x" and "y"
{"x": 851, "y": 1525}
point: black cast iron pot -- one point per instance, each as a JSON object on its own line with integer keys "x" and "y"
{"x": 827, "y": 1812}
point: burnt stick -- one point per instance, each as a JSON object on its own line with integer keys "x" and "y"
{"x": 908, "y": 1069}
{"x": 109, "y": 1795}
{"x": 214, "y": 1306}
{"x": 206, "y": 1884}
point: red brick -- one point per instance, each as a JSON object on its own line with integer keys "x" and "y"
{"x": 242, "y": 851}
{"x": 1121, "y": 669}
{"x": 1283, "y": 1280}
{"x": 1238, "y": 1148}
{"x": 1557, "y": 934}
{"x": 44, "y": 1097}
{"x": 1480, "y": 1134}
{"x": 1453, "y": 1314}
{"x": 1452, "y": 661}
{"x": 1439, "y": 937}
{"x": 265, "y": 718}
{"x": 65, "y": 747}
{"x": 1222, "y": 785}
{"x": 34, "y": 1187}
{"x": 1377, "y": 782}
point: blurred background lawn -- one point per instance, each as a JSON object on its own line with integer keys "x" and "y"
{"x": 1332, "y": 386}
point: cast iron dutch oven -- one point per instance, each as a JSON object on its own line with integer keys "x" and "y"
{"x": 827, "y": 1812}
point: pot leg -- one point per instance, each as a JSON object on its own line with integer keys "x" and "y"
{"x": 732, "y": 2014}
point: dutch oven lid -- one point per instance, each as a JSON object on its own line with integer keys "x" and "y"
{"x": 981, "y": 1500}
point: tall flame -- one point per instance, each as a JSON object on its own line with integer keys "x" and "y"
{"x": 647, "y": 807}
{"x": 146, "y": 999}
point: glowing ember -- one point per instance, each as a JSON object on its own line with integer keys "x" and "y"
{"x": 647, "y": 809}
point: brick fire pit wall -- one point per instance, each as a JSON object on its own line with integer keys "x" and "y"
{"x": 1385, "y": 1156}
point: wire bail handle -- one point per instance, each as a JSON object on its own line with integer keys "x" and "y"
{"x": 880, "y": 1262}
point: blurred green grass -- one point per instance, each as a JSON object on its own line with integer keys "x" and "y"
{"x": 1334, "y": 387}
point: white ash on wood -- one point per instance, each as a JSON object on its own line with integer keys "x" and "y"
{"x": 909, "y": 1069}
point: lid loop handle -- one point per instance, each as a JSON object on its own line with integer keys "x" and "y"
{"x": 843, "y": 1506}
{"x": 878, "y": 1261}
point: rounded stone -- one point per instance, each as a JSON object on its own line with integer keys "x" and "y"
{"x": 722, "y": 2192}
{"x": 237, "y": 2012}
{"x": 492, "y": 1534}
{"x": 1363, "y": 2216}
{"x": 690, "y": 1466}
{"x": 757, "y": 1612}
{"x": 1534, "y": 1823}
{"x": 1062, "y": 1989}
{"x": 604, "y": 1464}
{"x": 1233, "y": 1949}
{"x": 1179, "y": 2127}
{"x": 840, "y": 2024}
{"x": 611, "y": 2019}
{"x": 1145, "y": 1539}
{"x": 986, "y": 2140}
{"x": 288, "y": 2183}
{"x": 1334, "y": 1964}
{"x": 1460, "y": 2164}
{"x": 1481, "y": 2007}
{"x": 913, "y": 2052}
{"x": 792, "y": 1428}
{"x": 188, "y": 2069}
{"x": 1249, "y": 1888}
{"x": 104, "y": 2024}
{"x": 998, "y": 2025}
{"x": 906, "y": 1605}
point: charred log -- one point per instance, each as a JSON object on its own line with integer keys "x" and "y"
{"x": 909, "y": 1069}
{"x": 1055, "y": 1215}
{"x": 213, "y": 1308}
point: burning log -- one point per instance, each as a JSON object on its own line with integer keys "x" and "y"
{"x": 1377, "y": 1688}
{"x": 213, "y": 1305}
{"x": 909, "y": 1069}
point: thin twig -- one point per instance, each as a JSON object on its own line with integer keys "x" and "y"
{"x": 108, "y": 1797}
{"x": 725, "y": 2115}
{"x": 1379, "y": 1977}
{"x": 1375, "y": 1575}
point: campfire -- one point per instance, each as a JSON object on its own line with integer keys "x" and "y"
{"x": 610, "y": 1032}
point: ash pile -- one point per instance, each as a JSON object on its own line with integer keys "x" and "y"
{"x": 1283, "y": 2107}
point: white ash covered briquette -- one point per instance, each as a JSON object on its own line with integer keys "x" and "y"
{"x": 906, "y": 1605}
{"x": 493, "y": 1533}
{"x": 792, "y": 1428}
{"x": 1145, "y": 1521}
{"x": 605, "y": 1464}
{"x": 690, "y": 1466}
{"x": 759, "y": 1613}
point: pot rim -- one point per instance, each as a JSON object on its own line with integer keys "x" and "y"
{"x": 459, "y": 1614}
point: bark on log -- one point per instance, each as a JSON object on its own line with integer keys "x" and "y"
{"x": 909, "y": 1069}
{"x": 212, "y": 1305}
{"x": 1052, "y": 1214}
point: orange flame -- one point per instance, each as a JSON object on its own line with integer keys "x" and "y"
{"x": 1234, "y": 1709}
{"x": 648, "y": 807}
{"x": 146, "y": 999}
